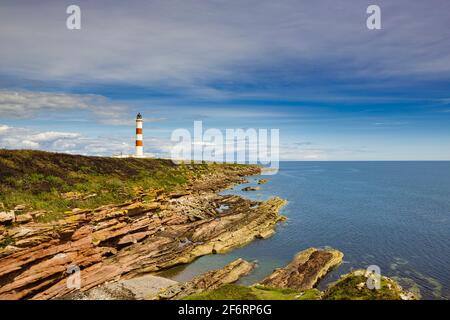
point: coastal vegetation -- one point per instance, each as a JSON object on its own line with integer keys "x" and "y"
{"x": 256, "y": 292}
{"x": 55, "y": 182}
{"x": 351, "y": 286}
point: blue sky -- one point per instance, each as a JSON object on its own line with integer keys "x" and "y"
{"x": 336, "y": 90}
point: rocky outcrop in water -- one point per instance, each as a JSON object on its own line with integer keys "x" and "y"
{"x": 250, "y": 189}
{"x": 305, "y": 270}
{"x": 364, "y": 285}
{"x": 153, "y": 232}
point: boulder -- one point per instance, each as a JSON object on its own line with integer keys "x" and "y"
{"x": 250, "y": 189}
{"x": 262, "y": 181}
{"x": 7, "y": 217}
{"x": 20, "y": 207}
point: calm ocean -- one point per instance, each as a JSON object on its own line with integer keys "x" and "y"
{"x": 392, "y": 214}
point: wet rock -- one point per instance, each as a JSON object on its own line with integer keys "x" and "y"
{"x": 262, "y": 181}
{"x": 305, "y": 270}
{"x": 250, "y": 189}
{"x": 266, "y": 234}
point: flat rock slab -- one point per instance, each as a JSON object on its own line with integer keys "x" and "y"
{"x": 132, "y": 289}
{"x": 148, "y": 285}
{"x": 305, "y": 270}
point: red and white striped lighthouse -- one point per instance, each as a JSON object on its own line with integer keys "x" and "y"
{"x": 139, "y": 143}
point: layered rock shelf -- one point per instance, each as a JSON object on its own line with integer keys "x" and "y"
{"x": 305, "y": 270}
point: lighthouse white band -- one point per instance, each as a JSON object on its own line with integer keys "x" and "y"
{"x": 139, "y": 151}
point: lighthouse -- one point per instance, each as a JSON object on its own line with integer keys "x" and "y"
{"x": 139, "y": 144}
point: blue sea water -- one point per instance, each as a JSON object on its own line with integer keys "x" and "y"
{"x": 395, "y": 215}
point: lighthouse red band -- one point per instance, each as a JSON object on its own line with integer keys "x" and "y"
{"x": 139, "y": 143}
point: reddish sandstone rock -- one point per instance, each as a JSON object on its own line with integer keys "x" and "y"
{"x": 305, "y": 270}
{"x": 116, "y": 242}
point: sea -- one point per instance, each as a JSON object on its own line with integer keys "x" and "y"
{"x": 391, "y": 214}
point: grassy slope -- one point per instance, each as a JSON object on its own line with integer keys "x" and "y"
{"x": 37, "y": 179}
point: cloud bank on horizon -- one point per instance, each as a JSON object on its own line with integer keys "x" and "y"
{"x": 335, "y": 89}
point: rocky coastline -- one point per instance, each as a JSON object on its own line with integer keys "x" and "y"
{"x": 117, "y": 249}
{"x": 155, "y": 231}
{"x": 296, "y": 281}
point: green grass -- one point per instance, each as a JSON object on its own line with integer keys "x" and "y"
{"x": 6, "y": 241}
{"x": 346, "y": 289}
{"x": 257, "y": 292}
{"x": 37, "y": 179}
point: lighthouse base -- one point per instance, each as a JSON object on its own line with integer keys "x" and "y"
{"x": 139, "y": 151}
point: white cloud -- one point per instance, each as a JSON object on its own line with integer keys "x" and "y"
{"x": 27, "y": 104}
{"x": 77, "y": 143}
{"x": 53, "y": 136}
{"x": 24, "y": 104}
{"x": 69, "y": 142}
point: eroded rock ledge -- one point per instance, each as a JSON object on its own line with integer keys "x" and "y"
{"x": 150, "y": 233}
{"x": 207, "y": 281}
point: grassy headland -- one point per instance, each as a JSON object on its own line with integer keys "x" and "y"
{"x": 56, "y": 182}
